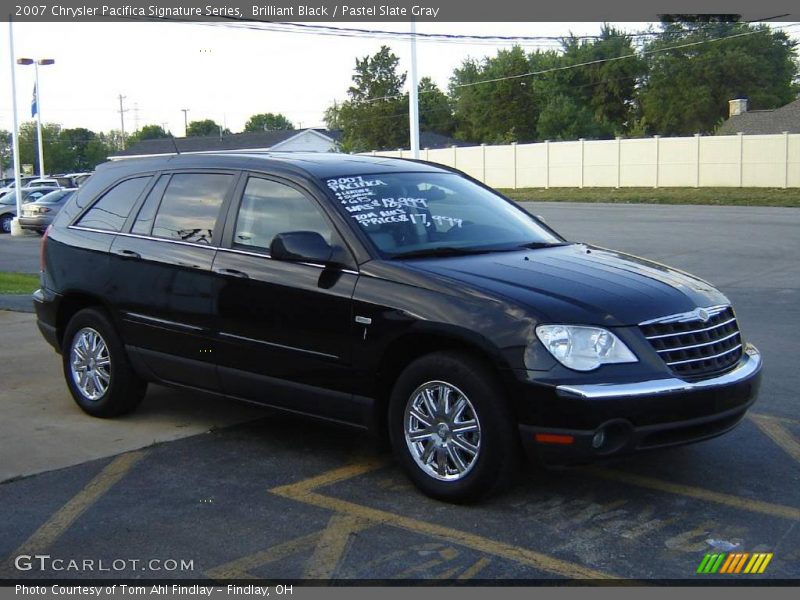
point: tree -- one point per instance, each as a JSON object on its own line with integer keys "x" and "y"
{"x": 5, "y": 150}
{"x": 435, "y": 109}
{"x": 205, "y": 127}
{"x": 687, "y": 89}
{"x": 603, "y": 89}
{"x": 562, "y": 118}
{"x": 148, "y": 132}
{"x": 502, "y": 109}
{"x": 267, "y": 122}
{"x": 375, "y": 115}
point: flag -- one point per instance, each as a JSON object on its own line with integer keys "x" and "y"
{"x": 34, "y": 102}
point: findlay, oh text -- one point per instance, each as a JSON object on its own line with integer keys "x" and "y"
{"x": 139, "y": 590}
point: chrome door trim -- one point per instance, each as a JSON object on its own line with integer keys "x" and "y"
{"x": 275, "y": 345}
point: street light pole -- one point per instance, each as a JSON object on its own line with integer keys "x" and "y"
{"x": 15, "y": 228}
{"x": 413, "y": 97}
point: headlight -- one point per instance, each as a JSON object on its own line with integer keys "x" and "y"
{"x": 583, "y": 348}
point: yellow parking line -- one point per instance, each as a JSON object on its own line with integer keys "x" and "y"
{"x": 778, "y": 434}
{"x": 774, "y": 418}
{"x": 238, "y": 569}
{"x": 474, "y": 569}
{"x": 59, "y": 522}
{"x": 748, "y": 504}
{"x": 348, "y": 471}
{"x": 332, "y": 546}
{"x": 302, "y": 493}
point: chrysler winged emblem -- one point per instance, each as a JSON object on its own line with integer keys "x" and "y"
{"x": 702, "y": 314}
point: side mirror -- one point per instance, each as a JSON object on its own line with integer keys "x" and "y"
{"x": 301, "y": 246}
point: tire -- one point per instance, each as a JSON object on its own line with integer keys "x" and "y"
{"x": 5, "y": 223}
{"x": 477, "y": 439}
{"x": 114, "y": 389}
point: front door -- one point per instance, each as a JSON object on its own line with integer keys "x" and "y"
{"x": 284, "y": 328}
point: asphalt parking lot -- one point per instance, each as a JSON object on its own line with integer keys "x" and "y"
{"x": 244, "y": 493}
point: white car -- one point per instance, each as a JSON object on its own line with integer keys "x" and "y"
{"x": 42, "y": 182}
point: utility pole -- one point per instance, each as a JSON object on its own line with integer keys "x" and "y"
{"x": 413, "y": 96}
{"x": 185, "y": 122}
{"x": 122, "y": 112}
{"x": 136, "y": 116}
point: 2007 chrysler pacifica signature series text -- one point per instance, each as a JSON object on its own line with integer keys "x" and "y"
{"x": 392, "y": 295}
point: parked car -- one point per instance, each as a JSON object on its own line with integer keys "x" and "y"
{"x": 76, "y": 179}
{"x": 8, "y": 210}
{"x": 38, "y": 215}
{"x": 8, "y": 204}
{"x": 47, "y": 182}
{"x": 395, "y": 296}
{"x": 12, "y": 185}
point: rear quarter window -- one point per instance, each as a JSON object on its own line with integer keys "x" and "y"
{"x": 112, "y": 209}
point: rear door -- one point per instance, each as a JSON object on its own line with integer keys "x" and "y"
{"x": 284, "y": 327}
{"x": 163, "y": 275}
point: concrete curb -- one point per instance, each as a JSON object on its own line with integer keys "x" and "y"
{"x": 16, "y": 302}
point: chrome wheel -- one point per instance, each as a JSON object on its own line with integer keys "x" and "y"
{"x": 442, "y": 431}
{"x": 90, "y": 363}
{"x": 5, "y": 224}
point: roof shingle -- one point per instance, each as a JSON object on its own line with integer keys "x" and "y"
{"x": 764, "y": 122}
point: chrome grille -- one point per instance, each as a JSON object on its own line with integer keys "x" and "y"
{"x": 693, "y": 348}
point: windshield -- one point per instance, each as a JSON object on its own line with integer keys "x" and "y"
{"x": 418, "y": 214}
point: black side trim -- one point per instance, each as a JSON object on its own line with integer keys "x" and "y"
{"x": 298, "y": 398}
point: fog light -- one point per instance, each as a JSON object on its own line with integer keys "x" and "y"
{"x": 599, "y": 439}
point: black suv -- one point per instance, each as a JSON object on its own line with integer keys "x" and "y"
{"x": 391, "y": 295}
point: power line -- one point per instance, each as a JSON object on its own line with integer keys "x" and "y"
{"x": 331, "y": 30}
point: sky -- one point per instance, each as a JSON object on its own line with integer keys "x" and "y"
{"x": 217, "y": 72}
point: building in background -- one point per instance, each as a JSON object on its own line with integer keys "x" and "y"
{"x": 305, "y": 140}
{"x": 761, "y": 122}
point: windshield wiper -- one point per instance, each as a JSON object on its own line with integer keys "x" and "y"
{"x": 440, "y": 251}
{"x": 537, "y": 245}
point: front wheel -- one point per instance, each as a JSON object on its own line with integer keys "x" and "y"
{"x": 450, "y": 427}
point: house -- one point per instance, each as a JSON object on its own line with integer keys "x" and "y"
{"x": 761, "y": 122}
{"x": 305, "y": 140}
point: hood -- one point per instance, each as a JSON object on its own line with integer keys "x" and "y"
{"x": 579, "y": 284}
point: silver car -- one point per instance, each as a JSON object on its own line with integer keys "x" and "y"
{"x": 37, "y": 215}
{"x": 8, "y": 205}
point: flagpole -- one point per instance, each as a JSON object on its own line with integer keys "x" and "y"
{"x": 39, "y": 120}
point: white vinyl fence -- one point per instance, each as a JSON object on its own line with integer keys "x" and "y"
{"x": 698, "y": 161}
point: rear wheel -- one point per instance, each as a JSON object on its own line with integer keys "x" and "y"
{"x": 96, "y": 366}
{"x": 450, "y": 428}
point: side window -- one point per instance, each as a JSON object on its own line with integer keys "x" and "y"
{"x": 269, "y": 208}
{"x": 112, "y": 209}
{"x": 190, "y": 206}
{"x": 144, "y": 220}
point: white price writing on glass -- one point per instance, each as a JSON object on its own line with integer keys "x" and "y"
{"x": 352, "y": 183}
{"x": 410, "y": 202}
{"x": 449, "y": 222}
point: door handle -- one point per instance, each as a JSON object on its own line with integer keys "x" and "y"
{"x": 130, "y": 254}
{"x": 232, "y": 273}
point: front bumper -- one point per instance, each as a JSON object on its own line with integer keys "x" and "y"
{"x": 646, "y": 415}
